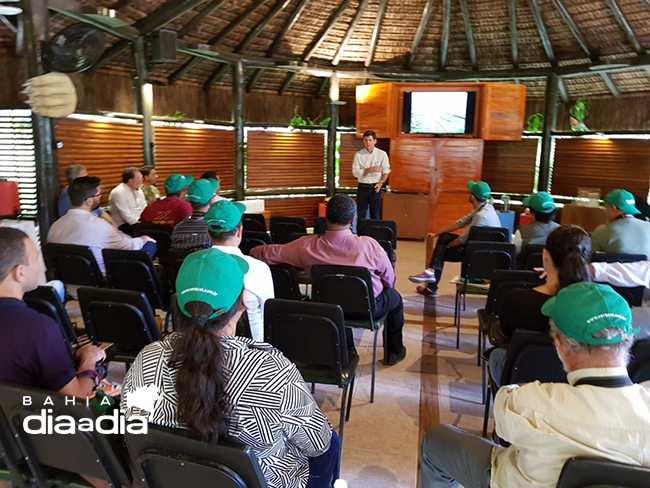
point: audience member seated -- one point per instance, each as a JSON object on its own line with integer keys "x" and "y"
{"x": 172, "y": 209}
{"x": 72, "y": 172}
{"x": 543, "y": 209}
{"x": 451, "y": 247}
{"x": 32, "y": 353}
{"x": 81, "y": 227}
{"x": 224, "y": 387}
{"x": 191, "y": 233}
{"x": 225, "y": 227}
{"x": 339, "y": 246}
{"x": 149, "y": 179}
{"x": 622, "y": 233}
{"x": 565, "y": 259}
{"x": 214, "y": 177}
{"x": 127, "y": 200}
{"x": 599, "y": 413}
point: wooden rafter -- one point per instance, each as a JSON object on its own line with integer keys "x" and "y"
{"x": 512, "y": 10}
{"x": 622, "y": 21}
{"x": 424, "y": 20}
{"x": 559, "y": 6}
{"x": 375, "y": 32}
{"x": 469, "y": 34}
{"x": 349, "y": 32}
{"x": 611, "y": 86}
{"x": 541, "y": 30}
{"x": 287, "y": 81}
{"x": 321, "y": 89}
{"x": 444, "y": 37}
{"x": 564, "y": 95}
{"x": 198, "y": 18}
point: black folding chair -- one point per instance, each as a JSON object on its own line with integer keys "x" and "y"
{"x": 385, "y": 230}
{"x": 13, "y": 467}
{"x": 285, "y": 232}
{"x": 388, "y": 247}
{"x": 254, "y": 222}
{"x": 72, "y": 264}
{"x": 320, "y": 225}
{"x": 285, "y": 282}
{"x": 46, "y": 301}
{"x": 582, "y": 472}
{"x": 176, "y": 258}
{"x": 531, "y": 356}
{"x": 639, "y": 366}
{"x": 632, "y": 294}
{"x": 480, "y": 260}
{"x": 247, "y": 244}
{"x": 312, "y": 335}
{"x": 489, "y": 234}
{"x": 169, "y": 458}
{"x": 262, "y": 236}
{"x": 351, "y": 288}
{"x": 531, "y": 257}
{"x": 86, "y": 453}
{"x": 121, "y": 317}
{"x": 161, "y": 233}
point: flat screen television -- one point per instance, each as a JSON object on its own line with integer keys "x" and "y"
{"x": 439, "y": 113}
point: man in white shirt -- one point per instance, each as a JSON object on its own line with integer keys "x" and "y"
{"x": 371, "y": 168}
{"x": 599, "y": 413}
{"x": 225, "y": 228}
{"x": 81, "y": 227}
{"x": 127, "y": 200}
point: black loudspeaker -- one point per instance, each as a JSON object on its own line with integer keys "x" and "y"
{"x": 163, "y": 46}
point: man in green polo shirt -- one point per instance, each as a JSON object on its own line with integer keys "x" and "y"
{"x": 623, "y": 233}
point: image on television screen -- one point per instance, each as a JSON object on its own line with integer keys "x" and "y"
{"x": 438, "y": 112}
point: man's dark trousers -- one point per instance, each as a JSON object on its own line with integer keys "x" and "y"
{"x": 366, "y": 196}
{"x": 389, "y": 302}
{"x": 442, "y": 253}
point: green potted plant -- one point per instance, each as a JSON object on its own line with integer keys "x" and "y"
{"x": 578, "y": 113}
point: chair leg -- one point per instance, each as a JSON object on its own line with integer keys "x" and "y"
{"x": 486, "y": 414}
{"x": 313, "y": 388}
{"x": 478, "y": 354}
{"x": 458, "y": 304}
{"x": 374, "y": 368}
{"x": 483, "y": 383}
{"x": 344, "y": 397}
{"x": 351, "y": 392}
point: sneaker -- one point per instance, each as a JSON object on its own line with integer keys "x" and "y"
{"x": 424, "y": 277}
{"x": 426, "y": 291}
{"x": 393, "y": 359}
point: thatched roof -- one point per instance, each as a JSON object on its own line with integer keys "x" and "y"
{"x": 473, "y": 38}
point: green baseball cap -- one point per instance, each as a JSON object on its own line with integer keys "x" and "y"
{"x": 214, "y": 181}
{"x": 540, "y": 202}
{"x": 175, "y": 183}
{"x": 622, "y": 200}
{"x": 224, "y": 216}
{"x": 213, "y": 277}
{"x": 480, "y": 189}
{"x": 201, "y": 191}
{"x": 583, "y": 309}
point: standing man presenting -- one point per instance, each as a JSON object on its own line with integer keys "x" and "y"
{"x": 371, "y": 168}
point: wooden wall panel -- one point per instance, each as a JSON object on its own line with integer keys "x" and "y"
{"x": 104, "y": 148}
{"x": 194, "y": 151}
{"x": 509, "y": 166}
{"x": 502, "y": 107}
{"x": 349, "y": 147}
{"x": 305, "y": 207}
{"x": 411, "y": 164}
{"x": 607, "y": 164}
{"x": 376, "y": 109}
{"x": 285, "y": 159}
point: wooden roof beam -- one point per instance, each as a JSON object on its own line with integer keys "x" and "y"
{"x": 325, "y": 30}
{"x": 375, "y": 32}
{"x": 321, "y": 89}
{"x": 559, "y": 6}
{"x": 236, "y": 23}
{"x": 564, "y": 95}
{"x": 183, "y": 70}
{"x": 468, "y": 32}
{"x": 444, "y": 37}
{"x": 287, "y": 81}
{"x": 611, "y": 86}
{"x": 512, "y": 10}
{"x": 198, "y": 18}
{"x": 622, "y": 22}
{"x": 349, "y": 32}
{"x": 419, "y": 33}
{"x": 541, "y": 30}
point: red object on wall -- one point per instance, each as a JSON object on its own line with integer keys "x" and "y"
{"x": 9, "y": 200}
{"x": 322, "y": 209}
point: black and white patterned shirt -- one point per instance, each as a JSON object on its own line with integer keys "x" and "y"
{"x": 273, "y": 410}
{"x": 191, "y": 233}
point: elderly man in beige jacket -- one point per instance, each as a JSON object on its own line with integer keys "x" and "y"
{"x": 599, "y": 413}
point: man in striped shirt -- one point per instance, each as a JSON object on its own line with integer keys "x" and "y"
{"x": 192, "y": 233}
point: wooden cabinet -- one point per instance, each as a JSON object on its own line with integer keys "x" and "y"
{"x": 410, "y": 211}
{"x": 586, "y": 217}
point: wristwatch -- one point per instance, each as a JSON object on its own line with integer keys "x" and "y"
{"x": 90, "y": 373}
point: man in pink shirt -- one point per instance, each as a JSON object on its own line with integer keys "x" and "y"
{"x": 339, "y": 246}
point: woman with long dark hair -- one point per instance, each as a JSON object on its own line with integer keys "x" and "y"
{"x": 224, "y": 387}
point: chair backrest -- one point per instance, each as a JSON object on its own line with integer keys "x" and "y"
{"x": 388, "y": 247}
{"x": 169, "y": 458}
{"x": 581, "y": 472}
{"x": 385, "y": 230}
{"x": 489, "y": 234}
{"x": 347, "y": 286}
{"x": 295, "y": 220}
{"x": 262, "y": 236}
{"x": 176, "y": 258}
{"x": 307, "y": 332}
{"x": 282, "y": 232}
{"x": 72, "y": 264}
{"x": 46, "y": 301}
{"x": 123, "y": 317}
{"x": 247, "y": 244}
{"x": 503, "y": 280}
{"x": 11, "y": 457}
{"x": 87, "y": 453}
{"x": 531, "y": 257}
{"x": 320, "y": 225}
{"x": 604, "y": 257}
{"x": 285, "y": 282}
{"x": 134, "y": 270}
{"x": 254, "y": 222}
{"x": 161, "y": 233}
{"x": 639, "y": 367}
{"x": 482, "y": 258}
{"x": 294, "y": 236}
{"x": 532, "y": 356}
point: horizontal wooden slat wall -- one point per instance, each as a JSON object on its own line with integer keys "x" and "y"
{"x": 509, "y": 166}
{"x": 105, "y": 149}
{"x": 285, "y": 159}
{"x": 305, "y": 207}
{"x": 349, "y": 147}
{"x": 194, "y": 151}
{"x": 607, "y": 164}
